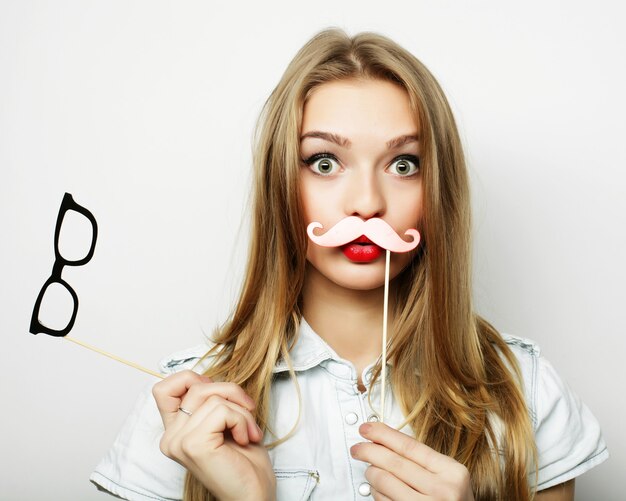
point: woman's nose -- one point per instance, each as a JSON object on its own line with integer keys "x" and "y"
{"x": 365, "y": 197}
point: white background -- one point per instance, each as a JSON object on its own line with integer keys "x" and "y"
{"x": 144, "y": 110}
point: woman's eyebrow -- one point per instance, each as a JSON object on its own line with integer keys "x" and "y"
{"x": 345, "y": 142}
{"x": 328, "y": 136}
{"x": 402, "y": 140}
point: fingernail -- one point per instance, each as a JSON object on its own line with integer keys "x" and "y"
{"x": 354, "y": 450}
{"x": 365, "y": 428}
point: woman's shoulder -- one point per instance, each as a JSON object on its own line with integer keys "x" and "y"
{"x": 526, "y": 350}
{"x": 194, "y": 358}
{"x": 134, "y": 467}
{"x": 568, "y": 436}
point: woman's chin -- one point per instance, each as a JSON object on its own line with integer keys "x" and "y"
{"x": 360, "y": 276}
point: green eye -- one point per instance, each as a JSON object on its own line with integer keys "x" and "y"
{"x": 323, "y": 164}
{"x": 405, "y": 166}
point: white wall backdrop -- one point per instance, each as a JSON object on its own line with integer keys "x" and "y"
{"x": 144, "y": 111}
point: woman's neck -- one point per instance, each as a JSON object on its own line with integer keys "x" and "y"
{"x": 350, "y": 321}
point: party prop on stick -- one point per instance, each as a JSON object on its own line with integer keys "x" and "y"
{"x": 36, "y": 327}
{"x": 374, "y": 231}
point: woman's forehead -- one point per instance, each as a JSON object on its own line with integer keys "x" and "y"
{"x": 351, "y": 111}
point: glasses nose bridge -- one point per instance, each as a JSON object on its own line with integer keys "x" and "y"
{"x": 57, "y": 267}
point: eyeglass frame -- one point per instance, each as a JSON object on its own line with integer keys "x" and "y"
{"x": 67, "y": 204}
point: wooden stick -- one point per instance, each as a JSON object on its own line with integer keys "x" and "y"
{"x": 110, "y": 355}
{"x": 384, "y": 361}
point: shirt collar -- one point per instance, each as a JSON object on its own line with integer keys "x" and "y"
{"x": 310, "y": 350}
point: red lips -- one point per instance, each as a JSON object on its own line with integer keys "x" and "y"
{"x": 362, "y": 250}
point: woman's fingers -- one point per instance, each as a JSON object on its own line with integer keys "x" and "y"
{"x": 385, "y": 485}
{"x": 412, "y": 474}
{"x": 406, "y": 446}
{"x": 197, "y": 394}
{"x": 169, "y": 393}
{"x": 249, "y": 433}
{"x": 193, "y": 389}
{"x": 378, "y": 496}
{"x": 216, "y": 433}
{"x": 202, "y": 435}
{"x": 208, "y": 431}
{"x": 402, "y": 465}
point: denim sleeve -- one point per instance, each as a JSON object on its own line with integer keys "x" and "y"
{"x": 134, "y": 468}
{"x": 568, "y": 436}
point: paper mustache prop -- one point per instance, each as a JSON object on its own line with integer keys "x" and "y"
{"x": 381, "y": 234}
{"x": 377, "y": 230}
{"x": 36, "y": 327}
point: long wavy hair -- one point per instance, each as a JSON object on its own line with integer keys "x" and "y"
{"x": 457, "y": 382}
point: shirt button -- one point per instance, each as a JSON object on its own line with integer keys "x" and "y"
{"x": 364, "y": 489}
{"x": 351, "y": 418}
{"x": 373, "y": 418}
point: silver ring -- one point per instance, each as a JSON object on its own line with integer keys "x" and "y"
{"x": 182, "y": 409}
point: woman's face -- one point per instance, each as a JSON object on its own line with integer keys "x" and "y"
{"x": 360, "y": 149}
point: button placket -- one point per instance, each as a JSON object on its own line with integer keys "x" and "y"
{"x": 371, "y": 412}
{"x": 367, "y": 412}
{"x": 353, "y": 411}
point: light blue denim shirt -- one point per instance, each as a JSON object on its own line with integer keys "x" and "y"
{"x": 315, "y": 463}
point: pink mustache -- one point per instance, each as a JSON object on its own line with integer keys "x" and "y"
{"x": 350, "y": 228}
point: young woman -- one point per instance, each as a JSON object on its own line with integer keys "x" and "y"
{"x": 288, "y": 403}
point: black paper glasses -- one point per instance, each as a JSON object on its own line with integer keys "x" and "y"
{"x": 60, "y": 262}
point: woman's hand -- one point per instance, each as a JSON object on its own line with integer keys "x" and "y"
{"x": 403, "y": 468}
{"x": 219, "y": 443}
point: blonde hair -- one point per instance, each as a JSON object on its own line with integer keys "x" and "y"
{"x": 464, "y": 397}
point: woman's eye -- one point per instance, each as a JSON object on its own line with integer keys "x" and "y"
{"x": 405, "y": 166}
{"x": 323, "y": 164}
